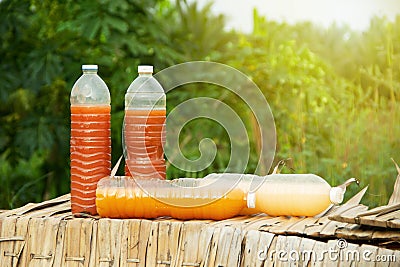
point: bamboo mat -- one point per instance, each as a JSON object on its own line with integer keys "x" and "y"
{"x": 46, "y": 234}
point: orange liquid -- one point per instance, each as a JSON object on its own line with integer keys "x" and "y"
{"x": 144, "y": 132}
{"x": 133, "y": 202}
{"x": 90, "y": 148}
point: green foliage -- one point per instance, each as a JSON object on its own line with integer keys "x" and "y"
{"x": 199, "y": 129}
{"x": 334, "y": 92}
{"x": 203, "y": 37}
{"x": 43, "y": 44}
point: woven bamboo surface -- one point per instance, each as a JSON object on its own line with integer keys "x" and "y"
{"x": 46, "y": 234}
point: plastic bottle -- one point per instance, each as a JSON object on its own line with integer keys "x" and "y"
{"x": 90, "y": 144}
{"x": 123, "y": 197}
{"x": 217, "y": 196}
{"x": 144, "y": 127}
{"x": 284, "y": 194}
{"x": 295, "y": 195}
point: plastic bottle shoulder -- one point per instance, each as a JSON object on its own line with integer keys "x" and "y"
{"x": 145, "y": 84}
{"x": 90, "y": 89}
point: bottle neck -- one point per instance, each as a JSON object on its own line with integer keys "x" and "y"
{"x": 145, "y": 74}
{"x": 89, "y": 72}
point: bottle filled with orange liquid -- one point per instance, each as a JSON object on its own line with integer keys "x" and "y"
{"x": 90, "y": 143}
{"x": 186, "y": 198}
{"x": 144, "y": 127}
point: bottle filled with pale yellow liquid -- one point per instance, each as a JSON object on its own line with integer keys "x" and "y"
{"x": 285, "y": 194}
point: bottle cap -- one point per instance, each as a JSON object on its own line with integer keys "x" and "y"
{"x": 336, "y": 195}
{"x": 145, "y": 69}
{"x": 90, "y": 67}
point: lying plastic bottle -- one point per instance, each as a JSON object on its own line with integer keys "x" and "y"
{"x": 285, "y": 194}
{"x": 217, "y": 196}
{"x": 296, "y": 195}
{"x": 125, "y": 197}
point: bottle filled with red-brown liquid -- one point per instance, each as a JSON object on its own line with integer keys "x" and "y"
{"x": 90, "y": 144}
{"x": 144, "y": 127}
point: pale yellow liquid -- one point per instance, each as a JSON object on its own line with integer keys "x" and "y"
{"x": 293, "y": 196}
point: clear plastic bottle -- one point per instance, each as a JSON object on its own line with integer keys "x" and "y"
{"x": 284, "y": 194}
{"x": 90, "y": 144}
{"x": 296, "y": 195}
{"x": 123, "y": 197}
{"x": 217, "y": 196}
{"x": 144, "y": 127}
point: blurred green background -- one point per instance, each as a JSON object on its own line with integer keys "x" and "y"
{"x": 334, "y": 92}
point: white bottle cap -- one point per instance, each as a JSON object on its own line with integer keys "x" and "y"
{"x": 145, "y": 69}
{"x": 90, "y": 67}
{"x": 336, "y": 195}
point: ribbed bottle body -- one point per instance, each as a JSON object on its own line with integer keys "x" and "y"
{"x": 90, "y": 143}
{"x": 144, "y": 128}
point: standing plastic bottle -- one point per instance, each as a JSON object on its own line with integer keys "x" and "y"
{"x": 90, "y": 139}
{"x": 144, "y": 127}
